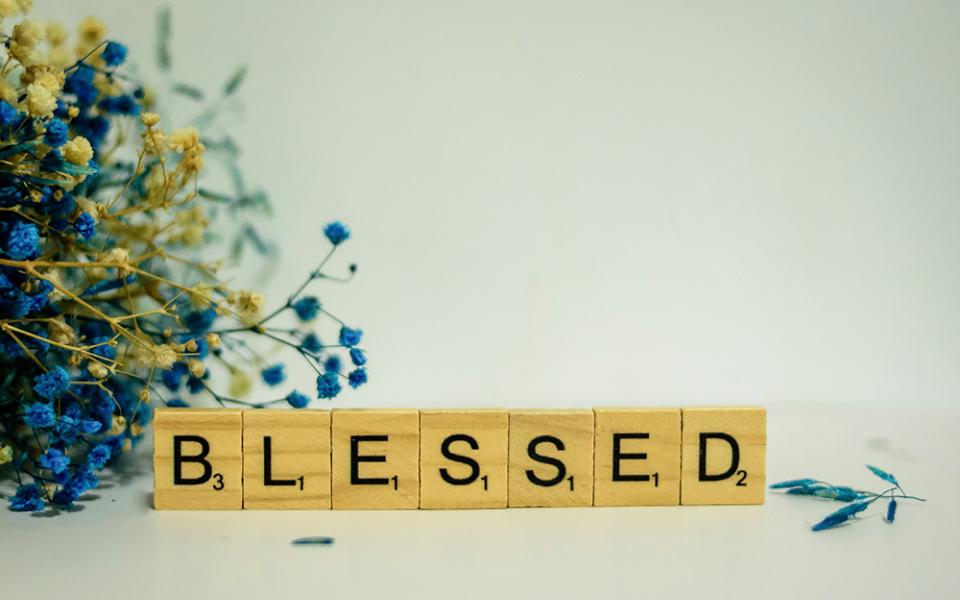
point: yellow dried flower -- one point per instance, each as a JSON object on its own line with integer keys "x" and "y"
{"x": 117, "y": 256}
{"x": 240, "y": 384}
{"x": 149, "y": 119}
{"x": 49, "y": 77}
{"x": 6, "y": 454}
{"x": 9, "y": 8}
{"x": 213, "y": 341}
{"x": 56, "y": 33}
{"x": 28, "y": 33}
{"x": 143, "y": 395}
{"x": 7, "y": 92}
{"x": 196, "y": 367}
{"x": 41, "y": 102}
{"x": 163, "y": 356}
{"x": 154, "y": 143}
{"x": 25, "y": 5}
{"x": 97, "y": 370}
{"x": 78, "y": 150}
{"x": 91, "y": 30}
{"x": 60, "y": 57}
{"x": 60, "y": 332}
{"x": 118, "y": 425}
{"x": 184, "y": 139}
{"x": 248, "y": 304}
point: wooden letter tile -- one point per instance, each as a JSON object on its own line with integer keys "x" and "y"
{"x": 463, "y": 459}
{"x": 286, "y": 459}
{"x": 723, "y": 456}
{"x": 637, "y": 457}
{"x": 197, "y": 459}
{"x": 551, "y": 458}
{"x": 376, "y": 459}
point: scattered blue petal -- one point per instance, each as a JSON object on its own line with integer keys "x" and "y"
{"x": 313, "y": 540}
{"x": 884, "y": 475}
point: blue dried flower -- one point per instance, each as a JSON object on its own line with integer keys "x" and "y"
{"x": 273, "y": 375}
{"x": 332, "y": 364}
{"x": 883, "y": 475}
{"x": 840, "y": 493}
{"x": 311, "y": 343}
{"x": 830, "y": 521}
{"x": 9, "y": 116}
{"x": 23, "y": 241}
{"x": 328, "y": 385}
{"x": 807, "y": 490}
{"x": 350, "y": 337}
{"x": 358, "y": 357}
{"x": 81, "y": 481}
{"x": 336, "y": 232}
{"x": 297, "y": 399}
{"x": 51, "y": 384}
{"x": 174, "y": 377}
{"x": 55, "y": 460}
{"x": 99, "y": 456}
{"x": 792, "y": 483}
{"x": 357, "y": 377}
{"x": 891, "y": 510}
{"x": 56, "y": 133}
{"x": 195, "y": 384}
{"x": 177, "y": 403}
{"x": 200, "y": 321}
{"x": 854, "y": 508}
{"x": 119, "y": 105}
{"x": 28, "y": 498}
{"x": 85, "y": 226}
{"x": 307, "y": 308}
{"x": 114, "y": 54}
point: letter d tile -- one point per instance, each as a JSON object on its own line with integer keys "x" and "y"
{"x": 723, "y": 455}
{"x": 197, "y": 459}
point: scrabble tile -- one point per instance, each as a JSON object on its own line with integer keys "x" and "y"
{"x": 286, "y": 459}
{"x": 463, "y": 458}
{"x": 723, "y": 456}
{"x": 197, "y": 459}
{"x": 551, "y": 458}
{"x": 636, "y": 457}
{"x": 376, "y": 459}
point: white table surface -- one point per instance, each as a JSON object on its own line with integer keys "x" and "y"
{"x": 117, "y": 546}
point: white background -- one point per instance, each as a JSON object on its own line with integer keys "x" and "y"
{"x": 596, "y": 203}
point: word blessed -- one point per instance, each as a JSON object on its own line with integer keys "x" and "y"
{"x": 401, "y": 459}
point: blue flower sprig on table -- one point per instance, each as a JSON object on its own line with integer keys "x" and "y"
{"x": 858, "y": 500}
{"x": 111, "y": 302}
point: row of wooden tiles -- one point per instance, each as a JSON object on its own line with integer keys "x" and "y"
{"x": 436, "y": 459}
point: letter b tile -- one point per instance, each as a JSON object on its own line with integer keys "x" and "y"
{"x": 723, "y": 456}
{"x": 376, "y": 459}
{"x": 197, "y": 459}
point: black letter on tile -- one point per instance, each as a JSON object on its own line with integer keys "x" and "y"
{"x": 734, "y": 461}
{"x": 179, "y": 459}
{"x": 547, "y": 460}
{"x": 618, "y": 456}
{"x": 356, "y": 459}
{"x": 474, "y": 466}
{"x": 268, "y": 466}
